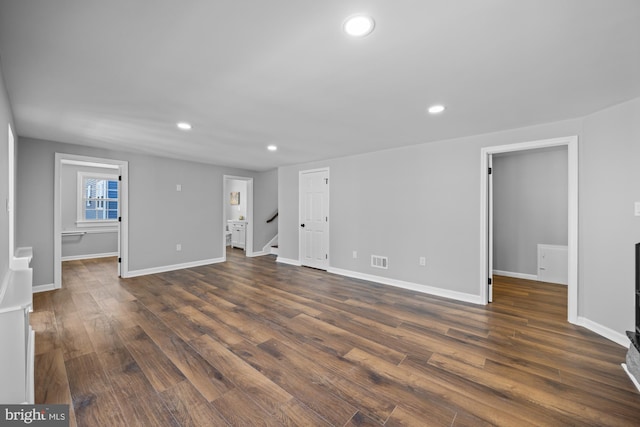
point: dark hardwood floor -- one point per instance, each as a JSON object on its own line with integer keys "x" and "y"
{"x": 253, "y": 342}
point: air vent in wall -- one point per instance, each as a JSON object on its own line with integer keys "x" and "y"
{"x": 379, "y": 261}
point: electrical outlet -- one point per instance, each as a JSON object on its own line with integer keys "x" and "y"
{"x": 178, "y": 187}
{"x": 355, "y": 254}
{"x": 423, "y": 261}
{"x": 178, "y": 247}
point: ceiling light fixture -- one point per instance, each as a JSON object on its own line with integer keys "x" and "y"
{"x": 358, "y": 25}
{"x": 184, "y": 126}
{"x": 435, "y": 109}
{"x": 272, "y": 148}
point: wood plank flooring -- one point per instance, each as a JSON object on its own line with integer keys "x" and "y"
{"x": 253, "y": 342}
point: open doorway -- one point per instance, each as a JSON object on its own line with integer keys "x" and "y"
{"x": 487, "y": 232}
{"x": 530, "y": 214}
{"x": 237, "y": 215}
{"x": 90, "y": 211}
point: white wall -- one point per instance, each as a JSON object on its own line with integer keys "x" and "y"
{"x": 159, "y": 216}
{"x": 530, "y": 193}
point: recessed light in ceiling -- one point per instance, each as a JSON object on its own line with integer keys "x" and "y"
{"x": 435, "y": 109}
{"x": 184, "y": 126}
{"x": 272, "y": 148}
{"x": 358, "y": 25}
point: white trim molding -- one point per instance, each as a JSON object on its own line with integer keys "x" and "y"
{"x": 256, "y": 254}
{"x": 4, "y": 285}
{"x": 631, "y": 377}
{"x": 486, "y": 153}
{"x": 515, "y": 275}
{"x": 425, "y": 289}
{"x": 44, "y": 288}
{"x": 608, "y": 333}
{"x": 289, "y": 261}
{"x": 165, "y": 268}
{"x": 11, "y": 195}
{"x": 88, "y": 256}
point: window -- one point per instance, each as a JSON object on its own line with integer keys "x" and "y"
{"x": 97, "y": 198}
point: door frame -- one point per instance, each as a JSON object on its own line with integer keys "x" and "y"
{"x": 248, "y": 249}
{"x": 11, "y": 196}
{"x": 123, "y": 232}
{"x": 300, "y": 210}
{"x": 486, "y": 208}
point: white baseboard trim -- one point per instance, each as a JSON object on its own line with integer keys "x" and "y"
{"x": 44, "y": 288}
{"x": 254, "y": 254}
{"x": 515, "y": 275}
{"x": 89, "y": 256}
{"x": 5, "y": 284}
{"x": 165, "y": 268}
{"x": 288, "y": 261}
{"x": 633, "y": 379}
{"x": 425, "y": 289}
{"x": 609, "y": 334}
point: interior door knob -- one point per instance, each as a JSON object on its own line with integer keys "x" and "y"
{"x": 302, "y": 225}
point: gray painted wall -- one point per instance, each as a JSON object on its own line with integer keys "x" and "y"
{"x": 405, "y": 203}
{"x": 424, "y": 200}
{"x": 191, "y": 217}
{"x": 609, "y": 186}
{"x": 91, "y": 243}
{"x": 530, "y": 206}
{"x": 6, "y": 118}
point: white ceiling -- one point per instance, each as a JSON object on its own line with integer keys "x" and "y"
{"x": 245, "y": 74}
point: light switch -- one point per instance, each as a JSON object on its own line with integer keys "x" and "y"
{"x": 178, "y": 187}
{"x": 637, "y": 208}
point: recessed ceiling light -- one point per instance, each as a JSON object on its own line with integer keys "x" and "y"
{"x": 184, "y": 126}
{"x": 272, "y": 148}
{"x": 359, "y": 25}
{"x": 435, "y": 109}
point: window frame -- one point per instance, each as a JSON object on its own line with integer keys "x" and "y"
{"x": 80, "y": 205}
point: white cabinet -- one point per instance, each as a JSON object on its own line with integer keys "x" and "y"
{"x": 238, "y": 233}
{"x": 16, "y": 335}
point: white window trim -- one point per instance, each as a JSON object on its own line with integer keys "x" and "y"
{"x": 80, "y": 221}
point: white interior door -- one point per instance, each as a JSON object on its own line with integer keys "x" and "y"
{"x": 314, "y": 218}
{"x": 490, "y": 227}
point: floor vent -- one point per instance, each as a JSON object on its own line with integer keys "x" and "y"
{"x": 379, "y": 261}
